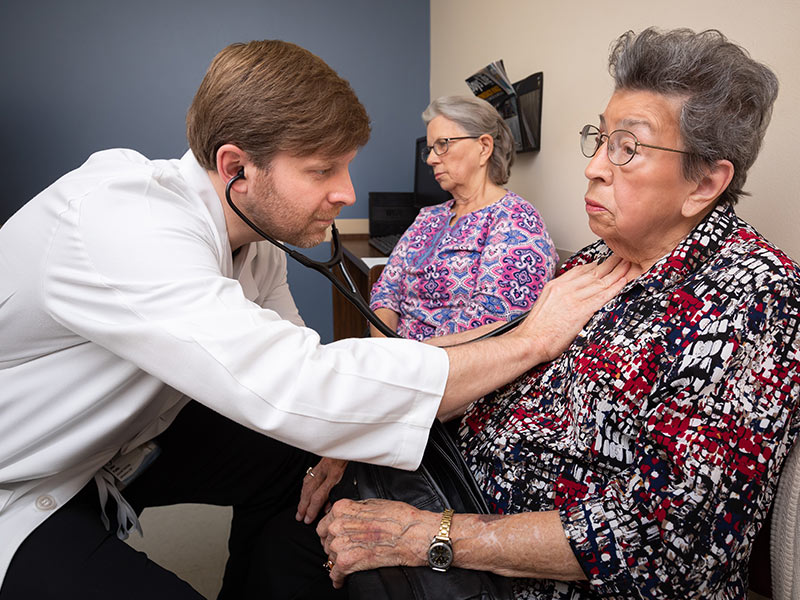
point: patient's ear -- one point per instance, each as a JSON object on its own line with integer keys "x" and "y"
{"x": 708, "y": 188}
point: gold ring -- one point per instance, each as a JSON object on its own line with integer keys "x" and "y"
{"x": 310, "y": 472}
{"x": 328, "y": 565}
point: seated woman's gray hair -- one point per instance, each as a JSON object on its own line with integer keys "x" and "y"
{"x": 729, "y": 96}
{"x": 477, "y": 117}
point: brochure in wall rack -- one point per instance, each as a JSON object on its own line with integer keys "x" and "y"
{"x": 493, "y": 85}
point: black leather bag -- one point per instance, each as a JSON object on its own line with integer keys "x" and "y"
{"x": 442, "y": 481}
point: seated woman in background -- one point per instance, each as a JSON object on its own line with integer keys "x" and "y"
{"x": 641, "y": 462}
{"x": 481, "y": 257}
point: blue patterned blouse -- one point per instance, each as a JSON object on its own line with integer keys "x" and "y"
{"x": 489, "y": 265}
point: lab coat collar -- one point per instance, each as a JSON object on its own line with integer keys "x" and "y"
{"x": 198, "y": 179}
{"x": 240, "y": 268}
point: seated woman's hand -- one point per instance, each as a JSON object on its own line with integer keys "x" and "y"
{"x": 366, "y": 534}
{"x": 317, "y": 486}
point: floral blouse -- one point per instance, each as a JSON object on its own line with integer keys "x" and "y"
{"x": 660, "y": 433}
{"x": 489, "y": 265}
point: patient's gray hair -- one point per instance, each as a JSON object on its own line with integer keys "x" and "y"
{"x": 728, "y": 95}
{"x": 476, "y": 117}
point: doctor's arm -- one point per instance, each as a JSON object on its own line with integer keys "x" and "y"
{"x": 563, "y": 308}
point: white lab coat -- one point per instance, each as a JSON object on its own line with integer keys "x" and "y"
{"x": 119, "y": 299}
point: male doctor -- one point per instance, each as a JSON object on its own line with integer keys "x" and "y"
{"x": 129, "y": 286}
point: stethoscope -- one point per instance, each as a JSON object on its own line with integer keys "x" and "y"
{"x": 349, "y": 291}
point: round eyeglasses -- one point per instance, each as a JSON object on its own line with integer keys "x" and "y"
{"x": 442, "y": 145}
{"x": 621, "y": 147}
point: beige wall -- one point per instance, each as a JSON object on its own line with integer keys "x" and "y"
{"x": 569, "y": 42}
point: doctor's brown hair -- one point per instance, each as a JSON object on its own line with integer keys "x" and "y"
{"x": 273, "y": 96}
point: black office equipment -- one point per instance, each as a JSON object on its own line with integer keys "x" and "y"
{"x": 529, "y": 98}
{"x": 385, "y": 243}
{"x": 390, "y": 213}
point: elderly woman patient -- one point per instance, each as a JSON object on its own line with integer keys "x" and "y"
{"x": 641, "y": 462}
{"x": 480, "y": 257}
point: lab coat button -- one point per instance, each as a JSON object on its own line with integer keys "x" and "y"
{"x": 45, "y": 502}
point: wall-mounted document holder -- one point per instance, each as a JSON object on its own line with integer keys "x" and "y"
{"x": 529, "y": 99}
{"x": 520, "y": 103}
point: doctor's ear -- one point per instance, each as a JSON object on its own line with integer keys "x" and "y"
{"x": 231, "y": 161}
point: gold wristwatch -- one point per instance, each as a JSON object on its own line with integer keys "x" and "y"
{"x": 440, "y": 552}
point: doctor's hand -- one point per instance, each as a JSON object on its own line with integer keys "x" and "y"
{"x": 317, "y": 485}
{"x": 567, "y": 303}
{"x": 563, "y": 308}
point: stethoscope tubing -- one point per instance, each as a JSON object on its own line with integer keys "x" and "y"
{"x": 349, "y": 291}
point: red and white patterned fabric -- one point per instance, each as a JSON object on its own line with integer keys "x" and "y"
{"x": 660, "y": 433}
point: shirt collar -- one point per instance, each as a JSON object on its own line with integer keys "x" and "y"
{"x": 702, "y": 243}
{"x": 243, "y": 271}
{"x": 695, "y": 249}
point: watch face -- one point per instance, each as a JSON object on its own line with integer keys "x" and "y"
{"x": 440, "y": 556}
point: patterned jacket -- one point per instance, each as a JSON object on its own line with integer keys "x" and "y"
{"x": 660, "y": 433}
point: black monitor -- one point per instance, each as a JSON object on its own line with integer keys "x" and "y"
{"x": 427, "y": 191}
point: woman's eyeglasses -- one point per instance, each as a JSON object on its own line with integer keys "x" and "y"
{"x": 442, "y": 145}
{"x": 621, "y": 145}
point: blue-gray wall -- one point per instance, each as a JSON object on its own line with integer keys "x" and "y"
{"x": 77, "y": 77}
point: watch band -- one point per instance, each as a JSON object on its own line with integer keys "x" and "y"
{"x": 440, "y": 552}
{"x": 444, "y": 526}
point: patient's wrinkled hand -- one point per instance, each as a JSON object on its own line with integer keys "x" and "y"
{"x": 366, "y": 534}
{"x": 317, "y": 486}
